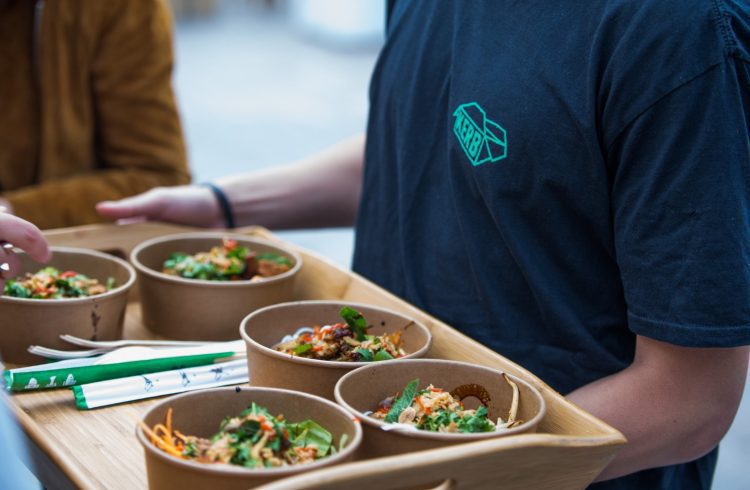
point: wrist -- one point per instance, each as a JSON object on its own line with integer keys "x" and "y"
{"x": 224, "y": 206}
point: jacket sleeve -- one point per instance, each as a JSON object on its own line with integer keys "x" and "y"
{"x": 139, "y": 143}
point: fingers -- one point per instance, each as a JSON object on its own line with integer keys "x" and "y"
{"x": 146, "y": 205}
{"x": 25, "y": 236}
{"x": 186, "y": 205}
{"x": 10, "y": 266}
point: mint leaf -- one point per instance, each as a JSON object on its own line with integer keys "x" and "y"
{"x": 402, "y": 401}
{"x": 364, "y": 354}
{"x": 383, "y": 355}
{"x": 356, "y": 322}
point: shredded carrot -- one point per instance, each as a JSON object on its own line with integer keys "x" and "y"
{"x": 161, "y": 428}
{"x": 169, "y": 423}
{"x": 165, "y": 445}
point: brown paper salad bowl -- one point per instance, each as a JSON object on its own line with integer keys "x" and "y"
{"x": 362, "y": 391}
{"x": 264, "y": 329}
{"x": 32, "y": 321}
{"x": 201, "y": 309}
{"x": 200, "y": 413}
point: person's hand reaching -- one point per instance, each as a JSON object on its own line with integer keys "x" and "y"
{"x": 16, "y": 233}
{"x": 186, "y": 205}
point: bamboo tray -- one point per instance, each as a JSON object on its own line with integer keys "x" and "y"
{"x": 98, "y": 448}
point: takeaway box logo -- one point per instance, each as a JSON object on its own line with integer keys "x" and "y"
{"x": 481, "y": 139}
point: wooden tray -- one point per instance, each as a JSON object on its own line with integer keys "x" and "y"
{"x": 98, "y": 449}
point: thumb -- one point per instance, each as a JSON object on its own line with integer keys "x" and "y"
{"x": 143, "y": 205}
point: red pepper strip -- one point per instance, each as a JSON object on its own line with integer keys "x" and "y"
{"x": 230, "y": 244}
{"x": 68, "y": 274}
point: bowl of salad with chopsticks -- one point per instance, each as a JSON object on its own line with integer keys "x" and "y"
{"x": 309, "y": 345}
{"x": 199, "y": 286}
{"x": 238, "y": 438}
{"x": 428, "y": 403}
{"x": 78, "y": 292}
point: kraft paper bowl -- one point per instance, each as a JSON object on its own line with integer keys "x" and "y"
{"x": 200, "y": 412}
{"x": 265, "y": 328}
{"x": 360, "y": 391}
{"x": 41, "y": 321}
{"x": 196, "y": 309}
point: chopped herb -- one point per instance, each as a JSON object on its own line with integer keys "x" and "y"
{"x": 356, "y": 322}
{"x": 364, "y": 355}
{"x": 383, "y": 355}
{"x": 402, "y": 401}
{"x": 302, "y": 348}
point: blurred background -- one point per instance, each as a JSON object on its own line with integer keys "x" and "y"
{"x": 263, "y": 82}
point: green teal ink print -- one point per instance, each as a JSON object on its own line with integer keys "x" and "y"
{"x": 482, "y": 140}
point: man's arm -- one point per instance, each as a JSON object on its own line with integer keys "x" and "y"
{"x": 322, "y": 190}
{"x": 674, "y": 404}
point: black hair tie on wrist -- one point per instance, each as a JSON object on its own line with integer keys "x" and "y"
{"x": 226, "y": 209}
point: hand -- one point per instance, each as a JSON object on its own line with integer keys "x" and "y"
{"x": 186, "y": 205}
{"x": 5, "y": 206}
{"x": 18, "y": 233}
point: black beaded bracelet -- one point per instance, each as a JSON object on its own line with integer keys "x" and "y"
{"x": 226, "y": 209}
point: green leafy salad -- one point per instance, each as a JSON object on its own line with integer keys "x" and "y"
{"x": 50, "y": 283}
{"x": 226, "y": 262}
{"x": 348, "y": 342}
{"x": 433, "y": 409}
{"x": 254, "y": 439}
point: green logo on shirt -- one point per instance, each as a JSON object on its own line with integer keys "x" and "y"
{"x": 481, "y": 139}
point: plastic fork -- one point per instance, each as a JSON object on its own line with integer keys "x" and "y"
{"x": 65, "y": 354}
{"x": 114, "y": 344}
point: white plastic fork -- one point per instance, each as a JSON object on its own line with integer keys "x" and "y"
{"x": 65, "y": 354}
{"x": 114, "y": 344}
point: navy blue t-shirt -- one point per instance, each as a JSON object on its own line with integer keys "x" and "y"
{"x": 555, "y": 178}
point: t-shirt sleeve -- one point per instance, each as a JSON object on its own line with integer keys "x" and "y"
{"x": 681, "y": 211}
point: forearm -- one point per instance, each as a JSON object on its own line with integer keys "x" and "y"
{"x": 319, "y": 191}
{"x": 672, "y": 408}
{"x": 71, "y": 201}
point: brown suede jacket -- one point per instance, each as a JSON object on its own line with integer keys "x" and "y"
{"x": 87, "y": 111}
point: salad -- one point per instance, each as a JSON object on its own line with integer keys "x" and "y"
{"x": 435, "y": 410}
{"x": 347, "y": 341}
{"x": 253, "y": 439}
{"x": 50, "y": 283}
{"x": 226, "y": 262}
